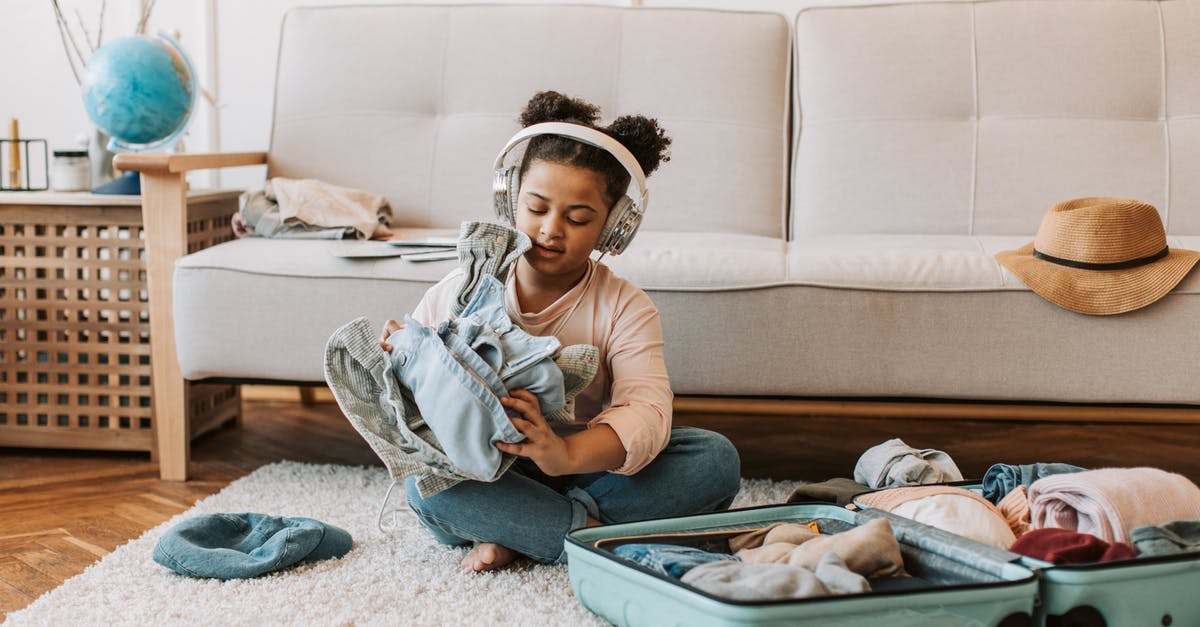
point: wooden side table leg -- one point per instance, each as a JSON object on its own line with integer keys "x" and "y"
{"x": 164, "y": 220}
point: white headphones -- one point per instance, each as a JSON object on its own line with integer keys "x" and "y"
{"x": 624, "y": 217}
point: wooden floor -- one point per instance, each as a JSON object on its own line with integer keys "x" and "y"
{"x": 60, "y": 511}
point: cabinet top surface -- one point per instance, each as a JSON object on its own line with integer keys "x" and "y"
{"x": 87, "y": 199}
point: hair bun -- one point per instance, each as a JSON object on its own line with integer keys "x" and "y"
{"x": 551, "y": 106}
{"x": 644, "y": 138}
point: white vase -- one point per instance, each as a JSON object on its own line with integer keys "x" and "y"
{"x": 101, "y": 158}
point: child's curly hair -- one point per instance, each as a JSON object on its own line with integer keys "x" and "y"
{"x": 643, "y": 136}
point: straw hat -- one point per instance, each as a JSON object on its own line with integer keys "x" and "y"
{"x": 1100, "y": 256}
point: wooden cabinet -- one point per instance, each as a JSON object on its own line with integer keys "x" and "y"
{"x": 75, "y": 326}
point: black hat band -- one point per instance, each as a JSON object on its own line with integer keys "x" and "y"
{"x": 1119, "y": 265}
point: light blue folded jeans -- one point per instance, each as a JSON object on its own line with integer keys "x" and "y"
{"x": 458, "y": 372}
{"x": 528, "y": 512}
{"x": 672, "y": 560}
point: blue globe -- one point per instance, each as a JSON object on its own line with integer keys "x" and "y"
{"x": 141, "y": 91}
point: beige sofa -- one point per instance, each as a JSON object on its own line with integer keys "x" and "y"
{"x": 825, "y": 229}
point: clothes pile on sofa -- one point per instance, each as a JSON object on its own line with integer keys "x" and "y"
{"x": 312, "y": 209}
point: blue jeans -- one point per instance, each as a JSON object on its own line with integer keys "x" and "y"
{"x": 458, "y": 372}
{"x": 531, "y": 513}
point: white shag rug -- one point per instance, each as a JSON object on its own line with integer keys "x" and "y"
{"x": 400, "y": 577}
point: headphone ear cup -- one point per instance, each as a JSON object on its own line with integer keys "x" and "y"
{"x": 505, "y": 184}
{"x": 620, "y": 227}
{"x": 514, "y": 190}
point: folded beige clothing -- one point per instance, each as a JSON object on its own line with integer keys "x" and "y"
{"x": 949, "y": 508}
{"x": 761, "y": 582}
{"x": 870, "y": 550}
{"x": 1110, "y": 502}
{"x": 318, "y": 203}
{"x": 961, "y": 516}
{"x": 793, "y": 533}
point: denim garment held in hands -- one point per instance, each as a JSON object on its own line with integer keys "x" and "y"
{"x": 458, "y": 372}
{"x": 364, "y": 381}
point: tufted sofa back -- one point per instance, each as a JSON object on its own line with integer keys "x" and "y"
{"x": 415, "y": 101}
{"x": 976, "y": 117}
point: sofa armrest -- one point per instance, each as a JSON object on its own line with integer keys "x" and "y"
{"x": 179, "y": 163}
{"x": 164, "y": 224}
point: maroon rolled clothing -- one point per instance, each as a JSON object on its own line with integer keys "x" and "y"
{"x": 1063, "y": 546}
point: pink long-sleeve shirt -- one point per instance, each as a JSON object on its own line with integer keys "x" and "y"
{"x": 631, "y": 392}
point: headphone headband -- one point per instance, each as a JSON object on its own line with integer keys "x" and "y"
{"x": 587, "y": 135}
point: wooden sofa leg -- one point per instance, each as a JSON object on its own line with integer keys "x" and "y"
{"x": 308, "y": 396}
{"x": 164, "y": 220}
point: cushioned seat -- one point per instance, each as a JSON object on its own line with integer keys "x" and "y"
{"x": 299, "y": 292}
{"x": 874, "y": 315}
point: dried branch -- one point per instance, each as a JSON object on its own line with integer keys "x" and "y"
{"x": 68, "y": 42}
{"x": 87, "y": 36}
{"x": 212, "y": 100}
{"x": 147, "y": 8}
{"x": 100, "y": 26}
{"x": 70, "y": 35}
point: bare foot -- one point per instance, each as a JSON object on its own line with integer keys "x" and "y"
{"x": 488, "y": 556}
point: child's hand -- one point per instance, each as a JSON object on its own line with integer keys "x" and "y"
{"x": 542, "y": 445}
{"x": 389, "y": 327}
{"x": 240, "y": 227}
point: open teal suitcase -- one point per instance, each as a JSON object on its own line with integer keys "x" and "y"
{"x": 956, "y": 582}
{"x": 1146, "y": 591}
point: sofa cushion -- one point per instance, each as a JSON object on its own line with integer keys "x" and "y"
{"x": 808, "y": 341}
{"x": 262, "y": 309}
{"x": 976, "y": 117}
{"x": 921, "y": 263}
{"x": 239, "y": 304}
{"x": 419, "y": 113}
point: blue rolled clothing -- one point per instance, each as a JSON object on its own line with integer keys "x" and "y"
{"x": 458, "y": 372}
{"x": 672, "y": 560}
{"x": 1001, "y": 479}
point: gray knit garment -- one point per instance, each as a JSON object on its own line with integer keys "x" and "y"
{"x": 360, "y": 375}
{"x": 485, "y": 248}
{"x": 490, "y": 249}
{"x": 578, "y": 363}
{"x": 359, "y": 372}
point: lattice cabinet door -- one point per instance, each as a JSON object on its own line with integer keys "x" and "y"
{"x": 75, "y": 321}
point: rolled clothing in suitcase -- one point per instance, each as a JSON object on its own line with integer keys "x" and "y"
{"x": 954, "y": 582}
{"x": 1159, "y": 590}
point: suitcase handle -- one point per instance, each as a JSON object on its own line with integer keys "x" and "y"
{"x": 988, "y": 559}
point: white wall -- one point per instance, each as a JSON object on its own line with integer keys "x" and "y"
{"x": 36, "y": 83}
{"x": 247, "y": 50}
{"x": 232, "y": 44}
